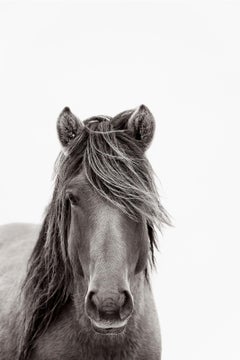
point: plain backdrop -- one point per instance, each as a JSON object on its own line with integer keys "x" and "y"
{"x": 181, "y": 59}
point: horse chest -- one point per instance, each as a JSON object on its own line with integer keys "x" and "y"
{"x": 63, "y": 342}
{"x": 83, "y": 349}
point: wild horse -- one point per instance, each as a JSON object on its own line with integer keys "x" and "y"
{"x": 77, "y": 288}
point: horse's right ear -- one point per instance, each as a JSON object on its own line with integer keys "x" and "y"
{"x": 68, "y": 127}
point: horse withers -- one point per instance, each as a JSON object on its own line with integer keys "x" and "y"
{"x": 77, "y": 287}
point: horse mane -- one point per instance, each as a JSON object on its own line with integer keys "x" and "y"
{"x": 117, "y": 169}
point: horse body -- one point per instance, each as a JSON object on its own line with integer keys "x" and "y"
{"x": 77, "y": 287}
{"x": 16, "y": 244}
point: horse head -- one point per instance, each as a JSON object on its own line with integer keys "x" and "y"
{"x": 107, "y": 247}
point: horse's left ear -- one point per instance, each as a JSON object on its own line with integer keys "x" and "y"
{"x": 139, "y": 122}
{"x": 142, "y": 125}
{"x": 68, "y": 127}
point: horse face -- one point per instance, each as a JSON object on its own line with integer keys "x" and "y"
{"x": 107, "y": 249}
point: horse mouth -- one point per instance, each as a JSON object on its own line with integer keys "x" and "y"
{"x": 104, "y": 330}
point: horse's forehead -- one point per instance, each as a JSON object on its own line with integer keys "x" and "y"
{"x": 80, "y": 185}
{"x": 79, "y": 181}
{"x": 90, "y": 197}
{"x": 100, "y": 210}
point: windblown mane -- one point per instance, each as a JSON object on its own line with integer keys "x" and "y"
{"x": 117, "y": 169}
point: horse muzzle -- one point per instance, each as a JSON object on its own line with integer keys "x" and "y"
{"x": 109, "y": 313}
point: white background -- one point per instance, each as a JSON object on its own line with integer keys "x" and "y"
{"x": 181, "y": 59}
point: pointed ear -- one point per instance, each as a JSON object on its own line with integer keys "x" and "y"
{"x": 140, "y": 123}
{"x": 68, "y": 127}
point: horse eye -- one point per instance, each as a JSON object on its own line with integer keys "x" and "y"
{"x": 72, "y": 198}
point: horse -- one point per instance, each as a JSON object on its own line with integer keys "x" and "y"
{"x": 77, "y": 287}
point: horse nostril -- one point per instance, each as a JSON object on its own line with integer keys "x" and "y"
{"x": 91, "y": 305}
{"x": 127, "y": 305}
